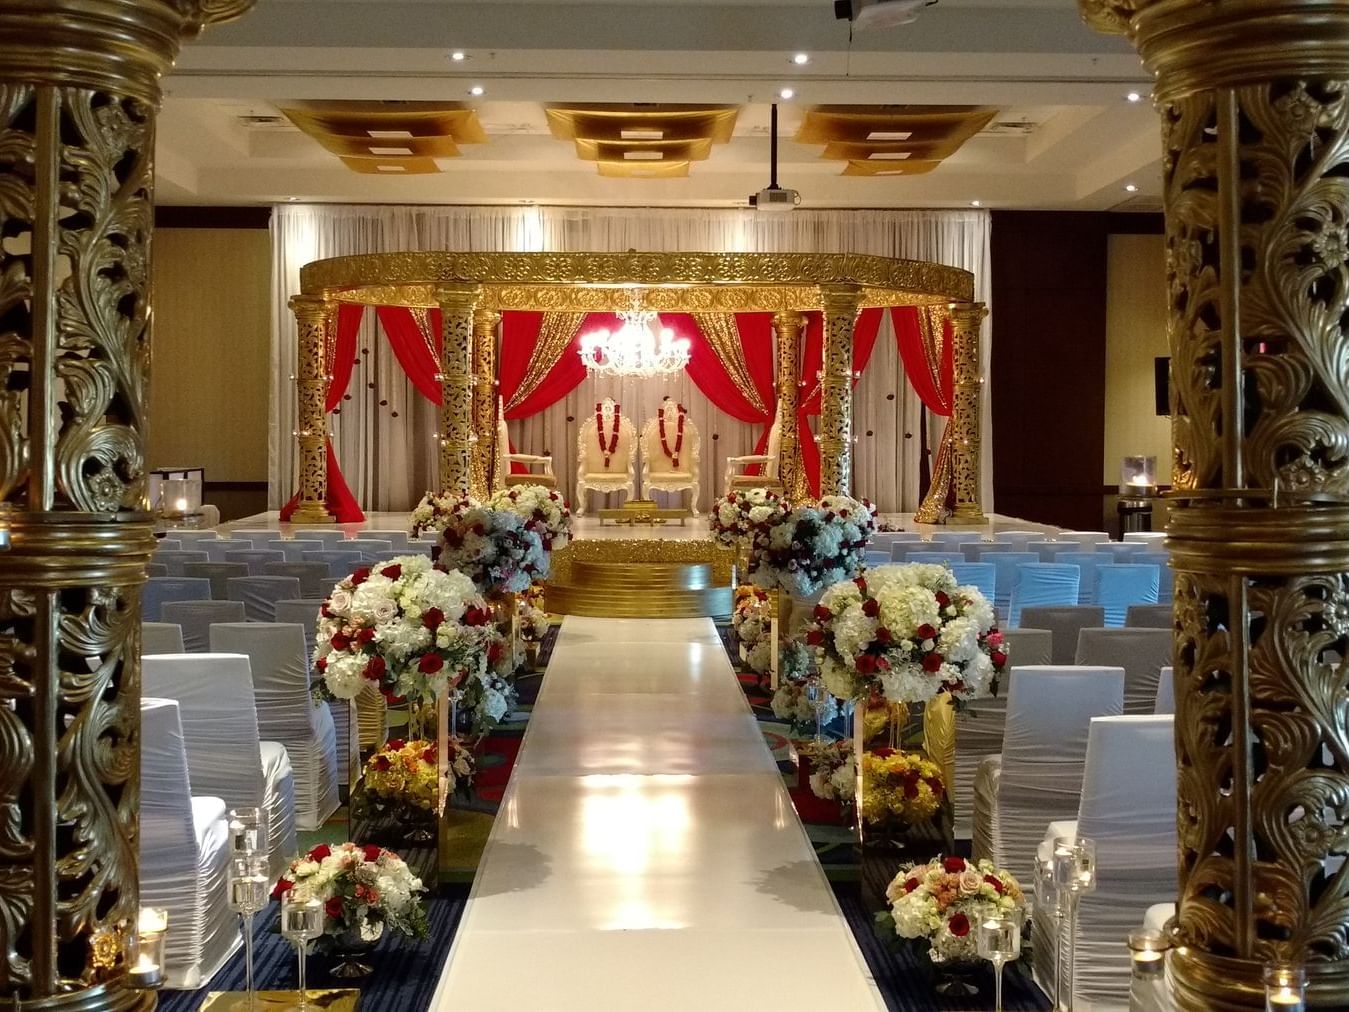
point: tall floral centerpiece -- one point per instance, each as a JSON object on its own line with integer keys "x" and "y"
{"x": 543, "y": 511}
{"x": 493, "y": 548}
{"x": 435, "y": 512}
{"x": 809, "y": 548}
{"x": 751, "y": 619}
{"x": 736, "y": 516}
{"x": 906, "y": 632}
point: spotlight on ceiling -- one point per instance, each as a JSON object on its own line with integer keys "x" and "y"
{"x": 1130, "y": 188}
{"x": 458, "y": 56}
{"x": 476, "y": 90}
{"x": 1133, "y": 96}
{"x": 801, "y": 59}
{"x": 976, "y": 203}
{"x": 786, "y": 93}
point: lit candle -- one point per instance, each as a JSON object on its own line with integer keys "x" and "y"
{"x": 153, "y": 920}
{"x": 1285, "y": 988}
{"x": 180, "y": 505}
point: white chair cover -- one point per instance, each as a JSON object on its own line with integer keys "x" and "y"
{"x": 294, "y": 549}
{"x": 161, "y": 638}
{"x": 660, "y": 473}
{"x": 218, "y": 574}
{"x": 934, "y": 558}
{"x": 257, "y": 538}
{"x": 1166, "y": 692}
{"x": 1119, "y": 551}
{"x": 973, "y": 549}
{"x": 1017, "y": 540}
{"x": 1129, "y": 808}
{"x": 1119, "y": 586}
{"x": 1038, "y": 777}
{"x": 1142, "y": 653}
{"x": 255, "y": 558}
{"x": 160, "y": 589}
{"x": 878, "y": 558}
{"x": 1153, "y": 539}
{"x": 156, "y": 569}
{"x": 1149, "y": 616}
{"x": 168, "y": 545}
{"x": 366, "y": 546}
{"x": 1005, "y": 565}
{"x": 1047, "y": 550}
{"x": 174, "y": 560}
{"x": 214, "y": 694}
{"x": 946, "y": 541}
{"x": 886, "y": 540}
{"x": 184, "y": 853}
{"x": 1042, "y": 584}
{"x": 1065, "y": 622}
{"x": 1088, "y": 562}
{"x": 260, "y": 594}
{"x": 195, "y": 618}
{"x": 1085, "y": 538}
{"x": 287, "y": 712}
{"x": 397, "y": 539}
{"x": 619, "y": 473}
{"x": 189, "y": 537}
{"x": 315, "y": 577}
{"x": 330, "y": 539}
{"x": 983, "y": 575}
{"x": 341, "y": 564}
{"x": 216, "y": 549}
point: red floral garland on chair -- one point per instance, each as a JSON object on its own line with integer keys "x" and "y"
{"x": 608, "y": 451}
{"x": 679, "y": 435}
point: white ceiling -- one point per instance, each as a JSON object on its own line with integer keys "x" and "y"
{"x": 1077, "y": 144}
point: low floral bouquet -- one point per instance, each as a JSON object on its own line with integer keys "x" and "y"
{"x": 752, "y": 619}
{"x": 899, "y": 789}
{"x": 405, "y": 626}
{"x": 435, "y": 512}
{"x": 812, "y": 547}
{"x": 493, "y": 547}
{"x": 736, "y": 516}
{"x": 534, "y": 621}
{"x": 833, "y": 774}
{"x": 908, "y": 632}
{"x": 363, "y": 890}
{"x": 404, "y": 772}
{"x": 542, "y": 509}
{"x": 939, "y": 905}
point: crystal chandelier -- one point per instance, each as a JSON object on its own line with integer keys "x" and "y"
{"x": 640, "y": 347}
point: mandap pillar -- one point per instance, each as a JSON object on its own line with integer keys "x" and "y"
{"x": 1254, "y": 101}
{"x": 314, "y": 320}
{"x": 787, "y": 327}
{"x": 79, "y": 89}
{"x": 841, "y": 303}
{"x": 457, "y": 304}
{"x": 485, "y": 323}
{"x": 966, "y": 322}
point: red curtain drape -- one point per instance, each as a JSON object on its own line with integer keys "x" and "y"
{"x": 341, "y": 503}
{"x": 864, "y": 343}
{"x": 414, "y": 347}
{"x": 933, "y": 381}
{"x": 519, "y": 338}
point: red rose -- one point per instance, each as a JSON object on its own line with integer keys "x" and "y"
{"x": 321, "y": 664}
{"x": 323, "y": 610}
{"x": 910, "y": 885}
{"x": 861, "y": 584}
{"x": 395, "y": 744}
{"x": 953, "y": 865}
{"x": 333, "y": 908}
{"x": 320, "y": 852}
{"x": 996, "y": 883}
{"x": 866, "y": 665}
{"x": 883, "y": 635}
{"x": 942, "y": 599}
{"x": 822, "y": 614}
{"x": 814, "y": 637}
{"x": 477, "y": 616}
{"x": 340, "y": 641}
{"x": 998, "y": 658}
{"x": 360, "y": 576}
{"x": 479, "y": 530}
{"x": 430, "y": 664}
{"x": 932, "y": 662}
{"x": 392, "y": 572}
{"x": 959, "y": 925}
{"x": 871, "y": 607}
{"x": 432, "y": 617}
{"x": 925, "y": 632}
{"x": 911, "y": 790}
{"x": 371, "y": 852}
{"x": 382, "y": 763}
{"x": 429, "y": 755}
{"x": 495, "y": 651}
{"x": 365, "y": 636}
{"x": 283, "y": 886}
{"x": 374, "y": 671}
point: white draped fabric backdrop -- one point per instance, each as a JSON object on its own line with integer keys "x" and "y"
{"x": 384, "y": 435}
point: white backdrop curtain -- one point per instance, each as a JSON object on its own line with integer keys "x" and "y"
{"x": 386, "y": 449}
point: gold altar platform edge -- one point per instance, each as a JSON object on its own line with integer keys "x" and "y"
{"x": 337, "y": 999}
{"x": 641, "y": 578}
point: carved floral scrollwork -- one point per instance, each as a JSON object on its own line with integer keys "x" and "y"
{"x": 16, "y": 285}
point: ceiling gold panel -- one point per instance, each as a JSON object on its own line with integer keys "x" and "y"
{"x": 880, "y": 140}
{"x": 370, "y": 137}
{"x": 642, "y": 140}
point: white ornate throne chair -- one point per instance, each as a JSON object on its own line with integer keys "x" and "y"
{"x": 770, "y": 460}
{"x": 670, "y": 466}
{"x": 611, "y": 467}
{"x": 505, "y": 459}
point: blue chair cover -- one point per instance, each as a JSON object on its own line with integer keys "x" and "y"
{"x": 983, "y": 575}
{"x": 873, "y": 558}
{"x": 949, "y": 539}
{"x": 971, "y": 549}
{"x": 1017, "y": 540}
{"x": 1120, "y": 551}
{"x": 1005, "y": 564}
{"x": 949, "y": 558}
{"x": 1040, "y": 584}
{"x": 215, "y": 550}
{"x": 1166, "y": 576}
{"x": 1088, "y": 563}
{"x": 159, "y": 589}
{"x": 1117, "y": 587}
{"x": 1049, "y": 549}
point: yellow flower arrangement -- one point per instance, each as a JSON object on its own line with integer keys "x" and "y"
{"x": 406, "y": 772}
{"x": 900, "y": 787}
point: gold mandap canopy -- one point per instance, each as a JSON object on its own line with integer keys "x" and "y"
{"x": 472, "y": 290}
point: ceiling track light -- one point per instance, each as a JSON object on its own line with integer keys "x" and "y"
{"x": 476, "y": 91}
{"x": 801, "y": 59}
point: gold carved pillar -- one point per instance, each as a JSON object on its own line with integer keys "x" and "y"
{"x": 1254, "y": 102}
{"x": 966, "y": 321}
{"x": 457, "y": 304}
{"x": 314, "y": 320}
{"x": 484, "y": 402}
{"x": 787, "y": 327}
{"x": 841, "y": 303}
{"x": 79, "y": 89}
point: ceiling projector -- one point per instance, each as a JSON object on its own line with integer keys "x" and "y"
{"x": 774, "y": 198}
{"x": 879, "y": 13}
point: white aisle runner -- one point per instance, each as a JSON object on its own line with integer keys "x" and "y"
{"x": 646, "y": 854}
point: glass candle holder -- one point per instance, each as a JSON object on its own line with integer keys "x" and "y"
{"x": 147, "y": 962}
{"x": 1147, "y": 951}
{"x": 248, "y": 881}
{"x": 1285, "y": 988}
{"x": 301, "y": 923}
{"x": 248, "y": 832}
{"x": 999, "y": 941}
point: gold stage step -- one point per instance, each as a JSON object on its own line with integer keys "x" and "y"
{"x": 641, "y": 578}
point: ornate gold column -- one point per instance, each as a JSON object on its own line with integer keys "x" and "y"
{"x": 484, "y": 401}
{"x": 79, "y": 87}
{"x": 787, "y": 327}
{"x": 1254, "y": 100}
{"x": 840, "y": 316}
{"x": 457, "y": 304}
{"x": 966, "y": 321}
{"x": 315, "y": 319}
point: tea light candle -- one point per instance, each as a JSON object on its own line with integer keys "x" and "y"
{"x": 1147, "y": 950}
{"x": 147, "y": 970}
{"x": 1285, "y": 988}
{"x": 180, "y": 505}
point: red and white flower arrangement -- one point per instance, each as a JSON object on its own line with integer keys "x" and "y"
{"x": 738, "y": 515}
{"x": 493, "y": 547}
{"x": 435, "y": 512}
{"x": 534, "y": 619}
{"x": 363, "y": 890}
{"x": 407, "y": 627}
{"x": 752, "y": 619}
{"x": 812, "y": 547}
{"x": 907, "y": 632}
{"x": 833, "y": 773}
{"x": 543, "y": 510}
{"x": 942, "y": 902}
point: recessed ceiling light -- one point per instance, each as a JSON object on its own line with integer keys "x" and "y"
{"x": 641, "y": 134}
{"x": 1134, "y": 96}
{"x": 976, "y": 203}
{"x": 385, "y": 152}
{"x": 458, "y": 56}
{"x": 292, "y": 199}
{"x": 1130, "y": 188}
{"x": 892, "y": 156}
{"x": 786, "y": 93}
{"x": 889, "y": 135}
{"x": 643, "y": 155}
{"x": 476, "y": 90}
{"x": 801, "y": 59}
{"x": 391, "y": 168}
{"x": 389, "y": 134}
